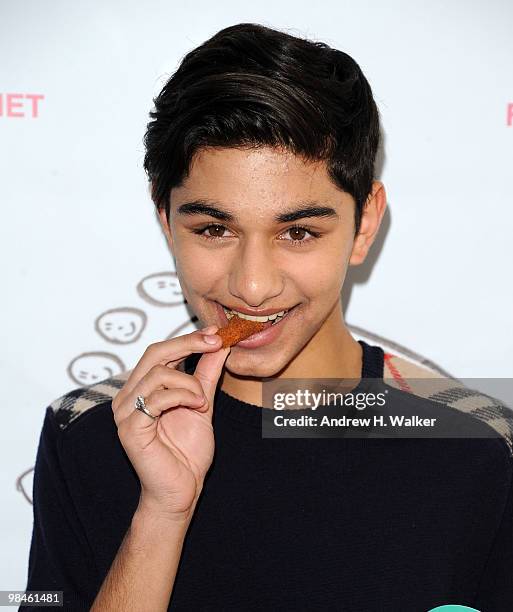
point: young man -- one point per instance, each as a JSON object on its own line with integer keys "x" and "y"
{"x": 156, "y": 490}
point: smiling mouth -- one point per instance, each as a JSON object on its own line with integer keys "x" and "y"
{"x": 274, "y": 318}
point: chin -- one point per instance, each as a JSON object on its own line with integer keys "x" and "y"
{"x": 251, "y": 365}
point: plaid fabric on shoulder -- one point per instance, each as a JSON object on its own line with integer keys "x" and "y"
{"x": 411, "y": 377}
{"x": 71, "y": 405}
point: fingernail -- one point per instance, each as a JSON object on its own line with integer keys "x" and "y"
{"x": 211, "y": 339}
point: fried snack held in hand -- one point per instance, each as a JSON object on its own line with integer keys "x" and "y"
{"x": 238, "y": 329}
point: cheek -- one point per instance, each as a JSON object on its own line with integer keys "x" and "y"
{"x": 320, "y": 272}
{"x": 198, "y": 269}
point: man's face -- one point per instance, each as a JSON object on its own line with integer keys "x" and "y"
{"x": 254, "y": 261}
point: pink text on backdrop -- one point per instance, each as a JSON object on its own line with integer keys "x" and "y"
{"x": 509, "y": 114}
{"x": 20, "y": 105}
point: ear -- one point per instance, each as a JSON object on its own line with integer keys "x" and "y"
{"x": 372, "y": 214}
{"x": 165, "y": 228}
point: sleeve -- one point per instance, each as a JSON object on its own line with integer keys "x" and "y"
{"x": 60, "y": 558}
{"x": 495, "y": 591}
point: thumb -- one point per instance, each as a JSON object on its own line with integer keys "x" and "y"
{"x": 208, "y": 370}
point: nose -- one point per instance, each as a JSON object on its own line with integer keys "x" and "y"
{"x": 256, "y": 278}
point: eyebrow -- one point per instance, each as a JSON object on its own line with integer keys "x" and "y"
{"x": 300, "y": 211}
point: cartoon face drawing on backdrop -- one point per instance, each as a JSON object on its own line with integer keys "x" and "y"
{"x": 161, "y": 289}
{"x": 90, "y": 368}
{"x": 121, "y": 325}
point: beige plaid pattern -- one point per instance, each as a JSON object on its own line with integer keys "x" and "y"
{"x": 424, "y": 382}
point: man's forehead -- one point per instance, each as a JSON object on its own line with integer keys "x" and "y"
{"x": 269, "y": 160}
{"x": 262, "y": 178}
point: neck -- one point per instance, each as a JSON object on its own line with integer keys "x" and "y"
{"x": 331, "y": 353}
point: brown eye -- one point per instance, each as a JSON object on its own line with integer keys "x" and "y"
{"x": 295, "y": 231}
{"x": 215, "y": 231}
{"x": 300, "y": 235}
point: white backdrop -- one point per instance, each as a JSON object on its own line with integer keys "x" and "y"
{"x": 85, "y": 268}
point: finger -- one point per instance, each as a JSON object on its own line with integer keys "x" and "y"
{"x": 170, "y": 353}
{"x": 208, "y": 370}
{"x": 157, "y": 402}
{"x": 159, "y": 377}
{"x": 164, "y": 399}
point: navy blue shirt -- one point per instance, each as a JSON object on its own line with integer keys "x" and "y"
{"x": 349, "y": 524}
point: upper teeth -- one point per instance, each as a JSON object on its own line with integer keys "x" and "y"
{"x": 271, "y": 317}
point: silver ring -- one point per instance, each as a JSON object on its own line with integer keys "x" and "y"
{"x": 141, "y": 405}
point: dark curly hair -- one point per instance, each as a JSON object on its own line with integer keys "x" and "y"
{"x": 252, "y": 86}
